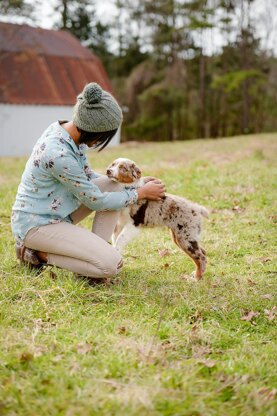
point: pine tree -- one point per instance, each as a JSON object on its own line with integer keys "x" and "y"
{"x": 13, "y": 7}
{"x": 79, "y": 17}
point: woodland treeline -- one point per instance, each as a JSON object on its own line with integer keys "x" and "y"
{"x": 173, "y": 79}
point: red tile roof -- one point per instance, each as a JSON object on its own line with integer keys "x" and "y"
{"x": 39, "y": 66}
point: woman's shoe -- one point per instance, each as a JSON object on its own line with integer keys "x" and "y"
{"x": 27, "y": 256}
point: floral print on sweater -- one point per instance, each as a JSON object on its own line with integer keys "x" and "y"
{"x": 56, "y": 181}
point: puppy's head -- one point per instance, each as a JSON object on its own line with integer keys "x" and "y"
{"x": 124, "y": 171}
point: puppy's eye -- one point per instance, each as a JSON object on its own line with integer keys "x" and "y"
{"x": 123, "y": 168}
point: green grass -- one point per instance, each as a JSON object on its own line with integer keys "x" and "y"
{"x": 155, "y": 342}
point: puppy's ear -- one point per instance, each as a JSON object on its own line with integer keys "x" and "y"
{"x": 138, "y": 172}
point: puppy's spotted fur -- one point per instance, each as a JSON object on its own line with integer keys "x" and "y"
{"x": 181, "y": 216}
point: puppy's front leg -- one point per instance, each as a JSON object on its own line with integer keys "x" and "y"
{"x": 116, "y": 233}
{"x": 128, "y": 233}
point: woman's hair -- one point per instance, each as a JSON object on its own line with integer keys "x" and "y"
{"x": 102, "y": 139}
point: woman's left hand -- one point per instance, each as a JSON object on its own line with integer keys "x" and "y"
{"x": 150, "y": 178}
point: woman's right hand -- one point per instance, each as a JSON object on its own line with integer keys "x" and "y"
{"x": 154, "y": 190}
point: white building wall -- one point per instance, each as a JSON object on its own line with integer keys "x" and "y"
{"x": 22, "y": 125}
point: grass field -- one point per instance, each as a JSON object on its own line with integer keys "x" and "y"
{"x": 154, "y": 342}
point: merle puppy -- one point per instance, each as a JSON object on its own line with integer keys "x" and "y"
{"x": 181, "y": 216}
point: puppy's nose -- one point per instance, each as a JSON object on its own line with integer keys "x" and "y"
{"x": 109, "y": 171}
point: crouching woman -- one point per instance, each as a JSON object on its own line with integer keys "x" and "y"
{"x": 58, "y": 189}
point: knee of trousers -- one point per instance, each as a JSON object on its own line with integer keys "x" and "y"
{"x": 110, "y": 267}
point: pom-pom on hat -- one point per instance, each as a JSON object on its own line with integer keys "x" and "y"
{"x": 96, "y": 110}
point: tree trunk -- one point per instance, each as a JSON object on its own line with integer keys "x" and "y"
{"x": 201, "y": 118}
{"x": 245, "y": 66}
{"x": 64, "y": 14}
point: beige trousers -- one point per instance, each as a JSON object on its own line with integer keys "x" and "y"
{"x": 79, "y": 250}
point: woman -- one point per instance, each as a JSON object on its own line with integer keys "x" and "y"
{"x": 58, "y": 189}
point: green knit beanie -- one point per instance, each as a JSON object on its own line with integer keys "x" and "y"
{"x": 96, "y": 110}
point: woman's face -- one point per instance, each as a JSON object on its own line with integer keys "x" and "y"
{"x": 92, "y": 143}
{"x": 88, "y": 139}
{"x": 96, "y": 139}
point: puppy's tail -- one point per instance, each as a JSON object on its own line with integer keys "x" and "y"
{"x": 203, "y": 211}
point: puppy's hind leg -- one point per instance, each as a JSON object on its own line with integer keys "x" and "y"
{"x": 195, "y": 252}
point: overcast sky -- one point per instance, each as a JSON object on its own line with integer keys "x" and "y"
{"x": 264, "y": 13}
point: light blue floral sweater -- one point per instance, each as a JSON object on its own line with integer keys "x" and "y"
{"x": 56, "y": 181}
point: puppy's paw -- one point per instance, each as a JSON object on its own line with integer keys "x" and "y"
{"x": 118, "y": 248}
{"x": 196, "y": 276}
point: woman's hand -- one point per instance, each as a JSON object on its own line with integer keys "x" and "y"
{"x": 154, "y": 189}
{"x": 149, "y": 178}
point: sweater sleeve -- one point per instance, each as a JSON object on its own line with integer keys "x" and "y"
{"x": 91, "y": 174}
{"x": 68, "y": 171}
